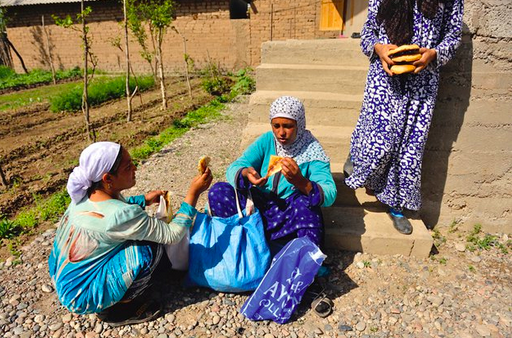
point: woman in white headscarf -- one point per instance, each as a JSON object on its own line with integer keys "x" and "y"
{"x": 107, "y": 247}
{"x": 290, "y": 200}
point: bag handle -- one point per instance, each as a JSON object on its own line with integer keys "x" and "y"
{"x": 249, "y": 205}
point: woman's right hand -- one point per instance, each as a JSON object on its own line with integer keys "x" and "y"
{"x": 198, "y": 185}
{"x": 254, "y": 177}
{"x": 382, "y": 51}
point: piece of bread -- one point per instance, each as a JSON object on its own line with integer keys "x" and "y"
{"x": 405, "y": 49}
{"x": 168, "y": 205}
{"x": 204, "y": 162}
{"x": 402, "y": 69}
{"x": 274, "y": 165}
{"x": 407, "y": 58}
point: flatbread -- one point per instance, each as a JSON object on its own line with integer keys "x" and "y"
{"x": 407, "y": 58}
{"x": 402, "y": 69}
{"x": 274, "y": 165}
{"x": 203, "y": 163}
{"x": 404, "y": 49}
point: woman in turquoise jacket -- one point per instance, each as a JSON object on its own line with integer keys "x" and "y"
{"x": 107, "y": 248}
{"x": 290, "y": 200}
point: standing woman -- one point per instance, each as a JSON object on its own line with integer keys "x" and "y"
{"x": 107, "y": 247}
{"x": 388, "y": 142}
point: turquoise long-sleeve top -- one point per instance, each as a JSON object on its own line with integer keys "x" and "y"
{"x": 257, "y": 155}
{"x": 90, "y": 264}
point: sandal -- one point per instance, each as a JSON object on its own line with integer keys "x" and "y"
{"x": 322, "y": 306}
{"x": 133, "y": 312}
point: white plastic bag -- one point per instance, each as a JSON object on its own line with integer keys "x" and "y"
{"x": 178, "y": 252}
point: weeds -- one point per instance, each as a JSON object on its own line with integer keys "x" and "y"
{"x": 9, "y": 79}
{"x": 439, "y": 239}
{"x": 99, "y": 91}
{"x": 49, "y": 209}
{"x": 179, "y": 127}
{"x": 484, "y": 243}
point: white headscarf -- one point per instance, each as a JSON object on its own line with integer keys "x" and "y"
{"x": 306, "y": 147}
{"x": 95, "y": 160}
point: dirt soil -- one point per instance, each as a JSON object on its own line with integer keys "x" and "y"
{"x": 39, "y": 148}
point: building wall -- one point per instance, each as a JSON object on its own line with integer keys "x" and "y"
{"x": 209, "y": 32}
{"x": 467, "y": 173}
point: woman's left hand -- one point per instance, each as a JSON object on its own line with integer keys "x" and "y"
{"x": 153, "y": 196}
{"x": 427, "y": 56}
{"x": 293, "y": 175}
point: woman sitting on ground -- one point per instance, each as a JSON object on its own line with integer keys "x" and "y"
{"x": 107, "y": 247}
{"x": 291, "y": 206}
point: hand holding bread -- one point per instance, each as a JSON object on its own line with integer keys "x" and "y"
{"x": 404, "y": 59}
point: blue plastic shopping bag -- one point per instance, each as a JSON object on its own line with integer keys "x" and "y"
{"x": 228, "y": 254}
{"x": 293, "y": 269}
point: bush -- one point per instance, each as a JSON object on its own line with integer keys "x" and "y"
{"x": 100, "y": 90}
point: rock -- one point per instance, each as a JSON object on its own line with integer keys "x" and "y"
{"x": 47, "y": 288}
{"x": 476, "y": 259}
{"x": 361, "y": 326}
{"x": 344, "y": 328}
{"x": 461, "y": 247}
{"x": 483, "y": 330}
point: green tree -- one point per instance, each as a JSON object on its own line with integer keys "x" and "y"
{"x": 157, "y": 15}
{"x": 83, "y": 29}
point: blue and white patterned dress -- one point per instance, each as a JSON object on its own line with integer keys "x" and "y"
{"x": 388, "y": 142}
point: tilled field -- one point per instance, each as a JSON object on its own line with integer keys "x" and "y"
{"x": 39, "y": 148}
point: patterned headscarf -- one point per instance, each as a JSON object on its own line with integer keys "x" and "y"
{"x": 95, "y": 160}
{"x": 306, "y": 147}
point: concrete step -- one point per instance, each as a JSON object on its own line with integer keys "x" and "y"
{"x": 325, "y": 52}
{"x": 362, "y": 230}
{"x": 310, "y": 99}
{"x": 321, "y": 108}
{"x": 334, "y": 139}
{"x": 359, "y": 222}
{"x": 349, "y": 80}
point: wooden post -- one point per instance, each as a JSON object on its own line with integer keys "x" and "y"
{"x": 271, "y": 21}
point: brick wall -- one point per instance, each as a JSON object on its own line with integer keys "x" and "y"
{"x": 210, "y": 34}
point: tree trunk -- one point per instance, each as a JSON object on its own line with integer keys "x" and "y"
{"x": 127, "y": 56}
{"x": 48, "y": 51}
{"x": 161, "y": 68}
{"x": 5, "y": 52}
{"x": 17, "y": 54}
{"x": 85, "y": 97}
{"x": 185, "y": 56}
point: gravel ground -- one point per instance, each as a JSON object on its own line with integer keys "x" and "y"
{"x": 456, "y": 293}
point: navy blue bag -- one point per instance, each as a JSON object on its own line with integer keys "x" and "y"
{"x": 293, "y": 269}
{"x": 228, "y": 254}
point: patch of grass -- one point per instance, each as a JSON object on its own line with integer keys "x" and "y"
{"x": 49, "y": 209}
{"x": 154, "y": 144}
{"x": 454, "y": 226}
{"x": 101, "y": 90}
{"x": 7, "y": 228}
{"x": 485, "y": 242}
{"x": 36, "y": 76}
{"x": 439, "y": 239}
{"x": 471, "y": 268}
{"x": 30, "y": 96}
